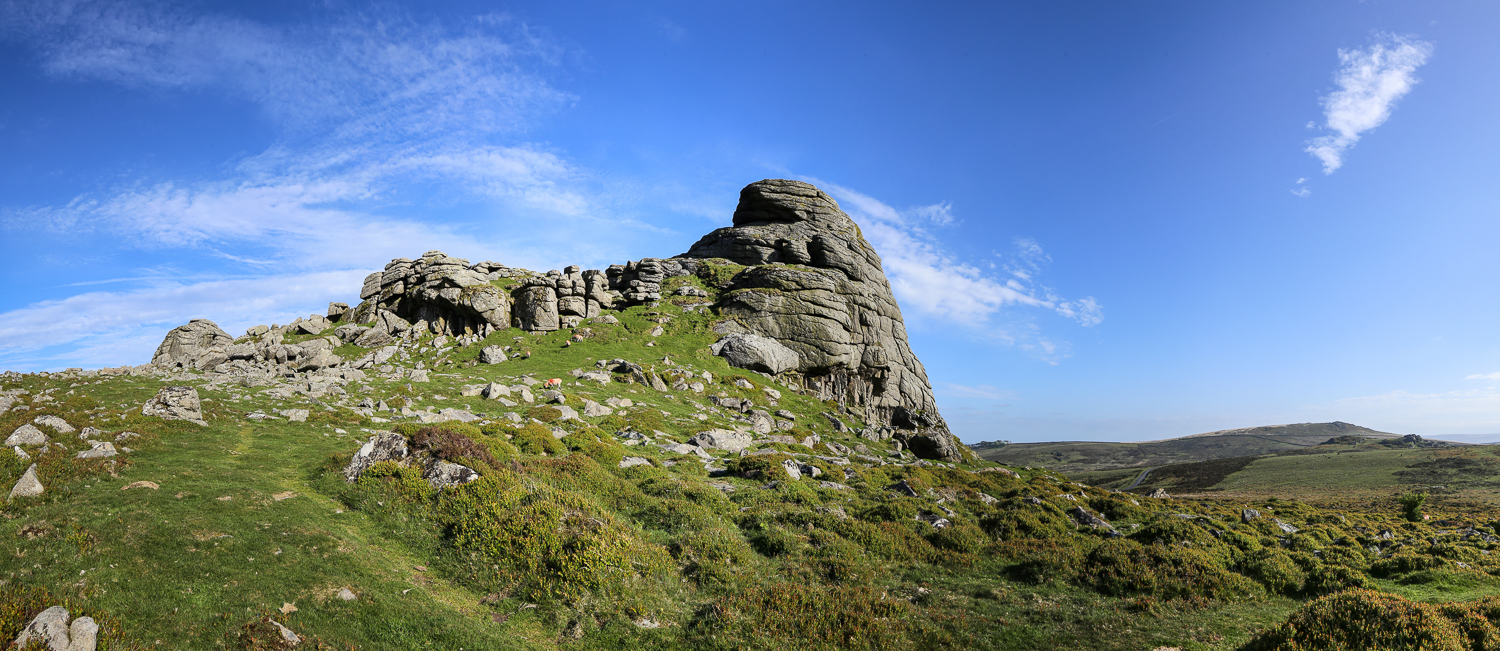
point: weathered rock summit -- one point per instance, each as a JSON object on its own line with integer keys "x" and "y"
{"x": 802, "y": 295}
{"x": 816, "y": 286}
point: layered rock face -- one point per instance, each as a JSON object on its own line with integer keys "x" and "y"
{"x": 816, "y": 286}
{"x": 448, "y": 295}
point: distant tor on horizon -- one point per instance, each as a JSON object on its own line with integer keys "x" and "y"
{"x": 1086, "y": 456}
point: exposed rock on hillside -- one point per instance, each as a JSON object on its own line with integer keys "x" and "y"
{"x": 803, "y": 292}
{"x": 200, "y": 344}
{"x": 815, "y": 285}
{"x": 444, "y": 294}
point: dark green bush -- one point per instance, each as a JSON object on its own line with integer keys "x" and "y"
{"x": 1274, "y": 569}
{"x": 1122, "y": 567}
{"x": 761, "y": 466}
{"x": 786, "y": 615}
{"x": 551, "y": 542}
{"x": 1362, "y": 619}
{"x": 544, "y": 413}
{"x": 537, "y": 439}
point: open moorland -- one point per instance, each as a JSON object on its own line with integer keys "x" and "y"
{"x": 1088, "y": 456}
{"x": 631, "y": 462}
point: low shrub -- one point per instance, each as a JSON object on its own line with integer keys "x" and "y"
{"x": 1404, "y": 561}
{"x": 786, "y": 615}
{"x": 453, "y": 446}
{"x": 535, "y": 438}
{"x": 544, "y": 413}
{"x": 1362, "y": 619}
{"x": 1274, "y": 570}
{"x": 553, "y": 543}
{"x": 1040, "y": 561}
{"x": 889, "y": 540}
{"x": 715, "y": 555}
{"x": 761, "y": 466}
{"x": 1017, "y": 520}
{"x": 1122, "y": 567}
{"x": 1328, "y": 579}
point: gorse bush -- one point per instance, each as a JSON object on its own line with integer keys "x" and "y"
{"x": 1357, "y": 620}
{"x": 813, "y": 617}
{"x": 552, "y": 542}
{"x": 1123, "y": 567}
{"x": 535, "y": 438}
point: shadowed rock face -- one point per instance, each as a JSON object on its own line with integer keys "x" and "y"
{"x": 199, "y": 344}
{"x": 815, "y": 285}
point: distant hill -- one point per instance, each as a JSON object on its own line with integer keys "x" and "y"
{"x": 1087, "y": 456}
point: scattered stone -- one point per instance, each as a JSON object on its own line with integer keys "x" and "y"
{"x": 418, "y": 375}
{"x": 595, "y": 410}
{"x": 721, "y": 439}
{"x": 903, "y": 488}
{"x": 492, "y": 355}
{"x": 631, "y": 462}
{"x": 1246, "y": 515}
{"x": 57, "y": 424}
{"x": 685, "y": 448}
{"x": 1004, "y": 471}
{"x": 1160, "y": 493}
{"x": 383, "y": 446}
{"x": 346, "y": 594}
{"x": 287, "y": 636}
{"x": 175, "y": 403}
{"x": 1083, "y": 517}
{"x": 27, "y": 435}
{"x": 284, "y": 495}
{"x": 295, "y": 415}
{"x": 443, "y": 474}
{"x": 374, "y": 338}
{"x": 50, "y": 627}
{"x": 937, "y": 521}
{"x": 939, "y": 446}
{"x": 28, "y": 485}
{"x": 141, "y": 484}
{"x": 98, "y": 450}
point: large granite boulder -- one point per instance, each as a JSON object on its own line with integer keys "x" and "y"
{"x": 817, "y": 287}
{"x": 757, "y": 353}
{"x": 200, "y": 344}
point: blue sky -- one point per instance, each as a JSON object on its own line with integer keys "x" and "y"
{"x": 1108, "y": 221}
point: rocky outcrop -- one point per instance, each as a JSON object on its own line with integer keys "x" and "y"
{"x": 200, "y": 345}
{"x": 816, "y": 286}
{"x": 446, "y": 295}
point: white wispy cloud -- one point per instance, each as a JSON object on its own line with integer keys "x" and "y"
{"x": 1484, "y": 376}
{"x": 113, "y": 328}
{"x": 929, "y": 280}
{"x": 375, "y": 114}
{"x": 1370, "y": 81}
